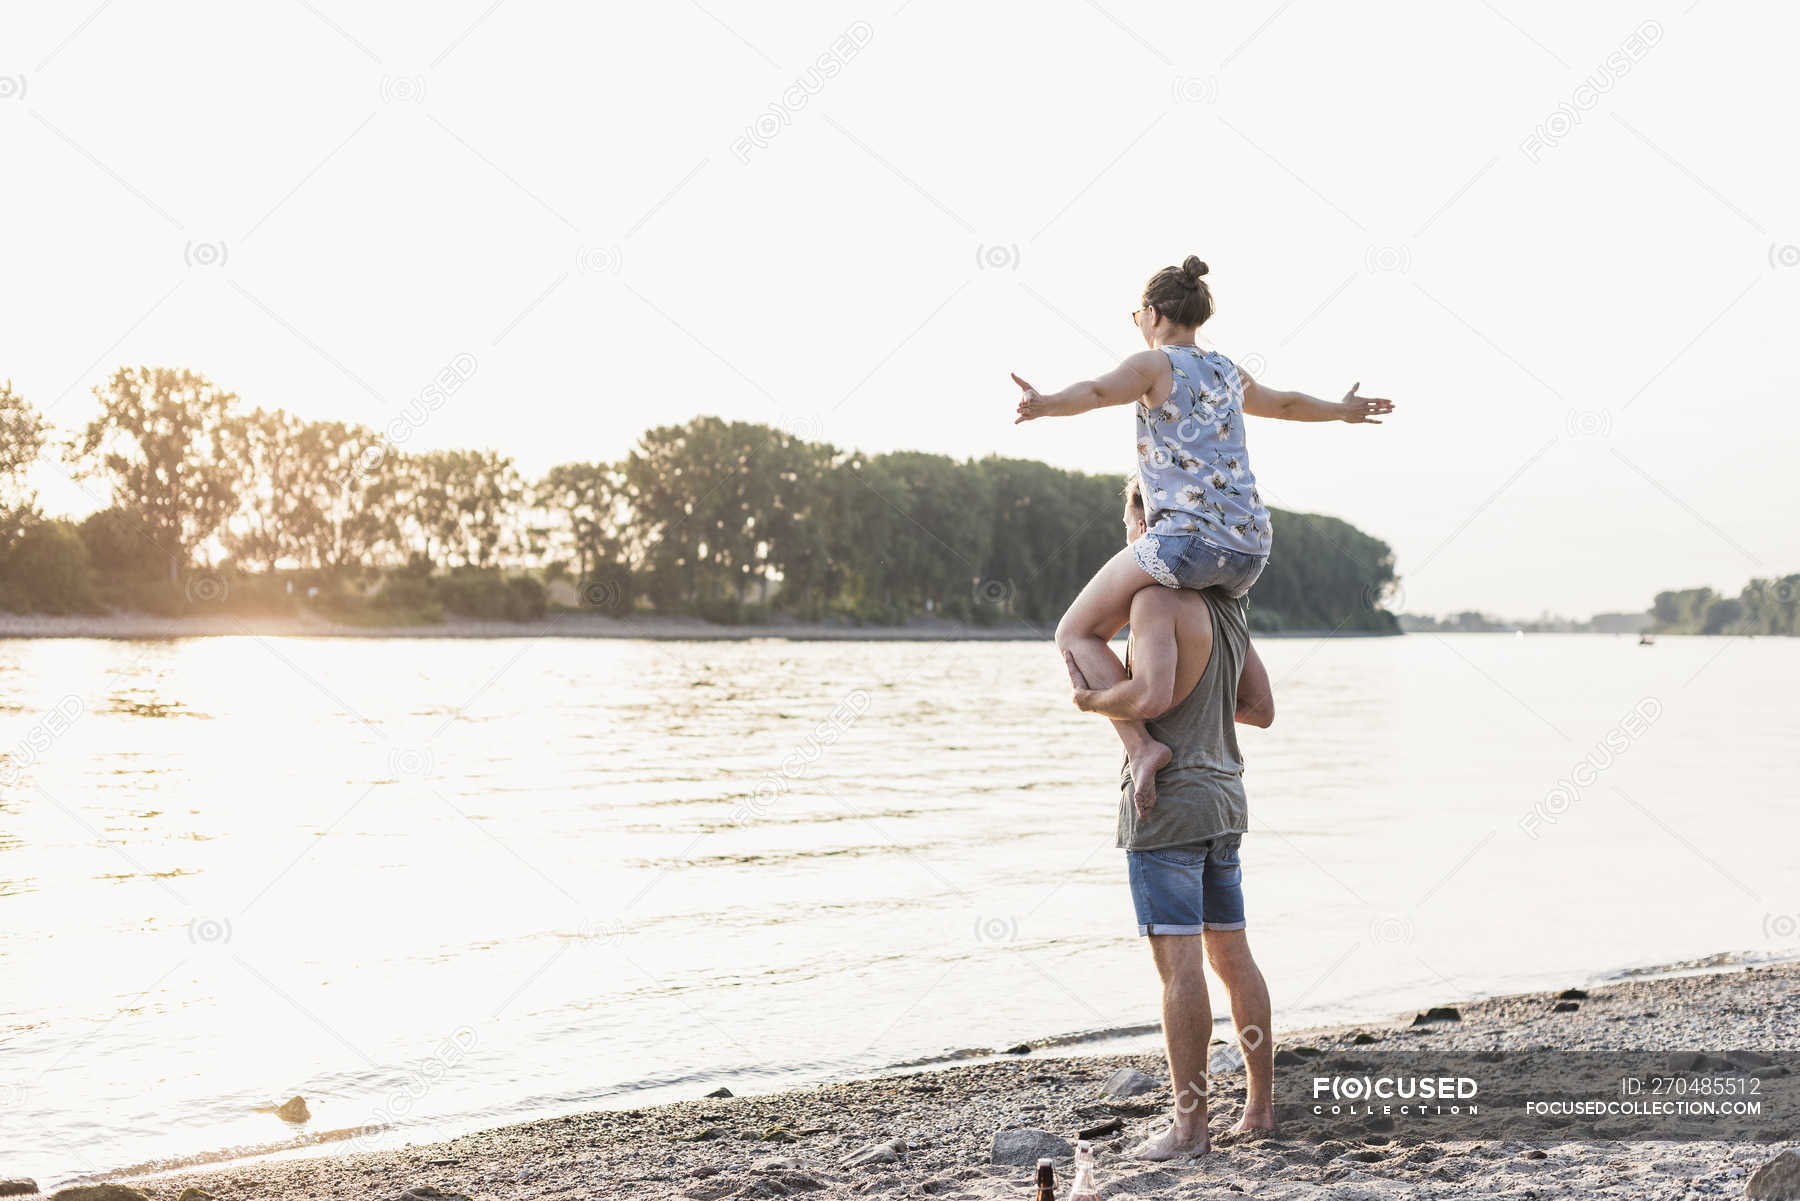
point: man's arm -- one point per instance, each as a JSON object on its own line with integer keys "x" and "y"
{"x": 1127, "y": 382}
{"x": 1255, "y": 695}
{"x": 1298, "y": 406}
{"x": 1150, "y": 689}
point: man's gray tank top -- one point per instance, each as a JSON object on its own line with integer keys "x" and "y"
{"x": 1200, "y": 794}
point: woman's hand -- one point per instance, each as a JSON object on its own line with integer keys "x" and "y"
{"x": 1031, "y": 403}
{"x": 1360, "y": 410}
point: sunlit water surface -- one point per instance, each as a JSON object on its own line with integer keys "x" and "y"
{"x": 439, "y": 885}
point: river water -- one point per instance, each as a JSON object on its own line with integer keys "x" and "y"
{"x": 435, "y": 885}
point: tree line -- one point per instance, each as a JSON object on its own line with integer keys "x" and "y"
{"x": 206, "y": 504}
{"x": 1764, "y": 607}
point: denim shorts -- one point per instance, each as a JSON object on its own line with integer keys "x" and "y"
{"x": 1184, "y": 890}
{"x": 1190, "y": 561}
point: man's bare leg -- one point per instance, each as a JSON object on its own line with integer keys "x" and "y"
{"x": 1187, "y": 1031}
{"x": 1084, "y": 637}
{"x": 1229, "y": 953}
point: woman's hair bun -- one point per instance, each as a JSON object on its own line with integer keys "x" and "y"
{"x": 1193, "y": 267}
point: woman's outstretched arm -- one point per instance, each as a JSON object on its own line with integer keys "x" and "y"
{"x": 1129, "y": 381}
{"x": 1298, "y": 406}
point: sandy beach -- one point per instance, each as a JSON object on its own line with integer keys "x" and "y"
{"x": 933, "y": 1133}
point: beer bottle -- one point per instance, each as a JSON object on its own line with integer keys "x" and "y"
{"x": 1046, "y": 1181}
{"x": 1083, "y": 1188}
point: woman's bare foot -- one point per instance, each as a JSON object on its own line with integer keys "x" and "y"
{"x": 1173, "y": 1143}
{"x": 1146, "y": 761}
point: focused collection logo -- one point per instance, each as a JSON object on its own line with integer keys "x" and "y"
{"x": 1403, "y": 1096}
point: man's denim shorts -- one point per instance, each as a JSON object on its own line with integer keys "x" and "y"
{"x": 1184, "y": 890}
{"x": 1190, "y": 561}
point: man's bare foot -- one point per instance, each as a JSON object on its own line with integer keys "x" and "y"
{"x": 1260, "y": 1119}
{"x": 1145, "y": 763}
{"x": 1173, "y": 1143}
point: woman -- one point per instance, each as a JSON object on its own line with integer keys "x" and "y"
{"x": 1208, "y": 525}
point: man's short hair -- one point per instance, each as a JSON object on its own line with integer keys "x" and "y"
{"x": 1134, "y": 497}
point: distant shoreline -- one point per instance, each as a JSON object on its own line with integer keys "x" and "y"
{"x": 556, "y": 625}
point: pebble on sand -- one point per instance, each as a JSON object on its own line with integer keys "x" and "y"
{"x": 1109, "y": 1126}
{"x": 721, "y": 1091}
{"x": 1024, "y": 1148}
{"x": 875, "y": 1153}
{"x": 1777, "y": 1180}
{"x": 1438, "y": 1013}
{"x": 1748, "y": 1059}
{"x": 291, "y": 1110}
{"x": 17, "y": 1186}
{"x": 1127, "y": 1082}
{"x": 1696, "y": 1061}
{"x": 99, "y": 1192}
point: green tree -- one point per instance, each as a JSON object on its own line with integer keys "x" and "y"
{"x": 22, "y": 435}
{"x": 46, "y": 571}
{"x": 462, "y": 504}
{"x": 160, "y": 441}
{"x": 350, "y": 484}
{"x": 586, "y": 502}
{"x": 1682, "y": 611}
{"x": 271, "y": 452}
{"x": 430, "y": 525}
{"x": 698, "y": 493}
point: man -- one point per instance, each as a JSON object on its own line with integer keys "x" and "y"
{"x": 1183, "y": 854}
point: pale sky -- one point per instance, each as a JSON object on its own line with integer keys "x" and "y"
{"x": 1561, "y": 237}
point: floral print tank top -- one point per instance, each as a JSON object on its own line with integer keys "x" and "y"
{"x": 1192, "y": 462}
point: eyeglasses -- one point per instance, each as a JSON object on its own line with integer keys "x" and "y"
{"x": 1137, "y": 314}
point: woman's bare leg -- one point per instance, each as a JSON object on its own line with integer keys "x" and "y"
{"x": 1085, "y": 635}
